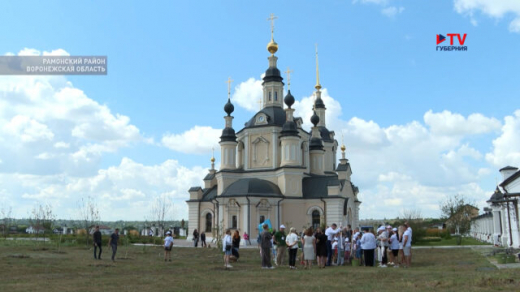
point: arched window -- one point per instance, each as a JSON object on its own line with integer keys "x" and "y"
{"x": 209, "y": 222}
{"x": 234, "y": 222}
{"x": 315, "y": 219}
{"x": 275, "y": 95}
{"x": 269, "y": 96}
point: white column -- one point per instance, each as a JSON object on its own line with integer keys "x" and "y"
{"x": 246, "y": 151}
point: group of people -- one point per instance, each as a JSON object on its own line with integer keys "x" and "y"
{"x": 393, "y": 246}
{"x": 230, "y": 246}
{"x": 112, "y": 242}
{"x": 332, "y": 246}
{"x": 196, "y": 238}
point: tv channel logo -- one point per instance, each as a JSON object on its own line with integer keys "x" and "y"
{"x": 452, "y": 47}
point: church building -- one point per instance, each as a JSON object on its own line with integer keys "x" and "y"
{"x": 500, "y": 224}
{"x": 274, "y": 169}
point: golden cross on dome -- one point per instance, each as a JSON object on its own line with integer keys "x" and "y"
{"x": 288, "y": 72}
{"x": 271, "y": 18}
{"x": 229, "y": 81}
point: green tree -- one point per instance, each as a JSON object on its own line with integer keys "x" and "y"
{"x": 458, "y": 212}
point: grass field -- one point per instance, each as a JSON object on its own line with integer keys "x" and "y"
{"x": 453, "y": 241}
{"x": 25, "y": 267}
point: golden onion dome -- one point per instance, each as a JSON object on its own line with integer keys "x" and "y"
{"x": 272, "y": 47}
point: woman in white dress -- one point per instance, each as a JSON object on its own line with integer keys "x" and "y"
{"x": 309, "y": 248}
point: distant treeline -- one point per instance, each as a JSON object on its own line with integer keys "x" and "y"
{"x": 136, "y": 225}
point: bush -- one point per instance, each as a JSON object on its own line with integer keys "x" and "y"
{"x": 446, "y": 234}
{"x": 144, "y": 239}
{"x": 417, "y": 234}
{"x": 433, "y": 232}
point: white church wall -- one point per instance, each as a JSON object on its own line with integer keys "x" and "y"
{"x": 193, "y": 218}
{"x": 513, "y": 187}
{"x": 334, "y": 211}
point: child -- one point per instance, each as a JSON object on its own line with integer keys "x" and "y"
{"x": 168, "y": 244}
{"x": 335, "y": 250}
{"x": 347, "y": 249}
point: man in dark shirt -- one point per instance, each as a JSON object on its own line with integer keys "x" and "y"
{"x": 203, "y": 240}
{"x": 112, "y": 242}
{"x": 96, "y": 238}
{"x": 265, "y": 245}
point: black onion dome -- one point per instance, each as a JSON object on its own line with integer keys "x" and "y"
{"x": 289, "y": 99}
{"x": 319, "y": 103}
{"x": 273, "y": 74}
{"x": 315, "y": 119}
{"x": 289, "y": 129}
{"x": 316, "y": 144}
{"x": 229, "y": 107}
{"x": 228, "y": 134}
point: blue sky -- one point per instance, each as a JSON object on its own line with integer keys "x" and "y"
{"x": 418, "y": 124}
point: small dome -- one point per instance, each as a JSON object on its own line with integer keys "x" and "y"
{"x": 289, "y": 99}
{"x": 319, "y": 103}
{"x": 315, "y": 119}
{"x": 229, "y": 107}
{"x": 272, "y": 47}
{"x": 252, "y": 187}
{"x": 289, "y": 129}
{"x": 228, "y": 134}
{"x": 316, "y": 144}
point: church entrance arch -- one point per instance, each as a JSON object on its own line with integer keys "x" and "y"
{"x": 207, "y": 220}
{"x": 315, "y": 213}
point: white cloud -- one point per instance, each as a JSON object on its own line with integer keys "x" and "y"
{"x": 46, "y": 108}
{"x": 387, "y": 10}
{"x": 449, "y": 124}
{"x": 61, "y": 145}
{"x": 27, "y": 130}
{"x": 44, "y": 156}
{"x": 506, "y": 148}
{"x": 400, "y": 192}
{"x": 35, "y": 52}
{"x": 123, "y": 192}
{"x": 514, "y": 26}
{"x": 197, "y": 140}
{"x": 495, "y": 9}
{"x": 126, "y": 194}
{"x": 247, "y": 94}
{"x": 392, "y": 11}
